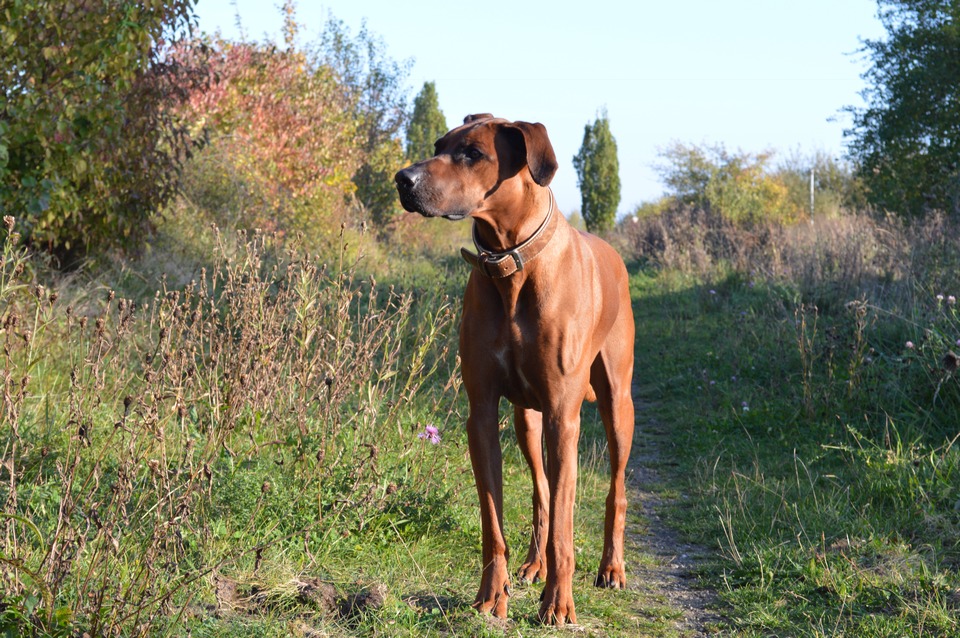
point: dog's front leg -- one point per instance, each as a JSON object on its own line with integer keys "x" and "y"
{"x": 561, "y": 431}
{"x": 529, "y": 428}
{"x": 483, "y": 438}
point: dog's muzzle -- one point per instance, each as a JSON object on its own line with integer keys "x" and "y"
{"x": 406, "y": 180}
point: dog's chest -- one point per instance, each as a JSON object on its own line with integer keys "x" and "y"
{"x": 517, "y": 386}
{"x": 519, "y": 354}
{"x": 514, "y": 344}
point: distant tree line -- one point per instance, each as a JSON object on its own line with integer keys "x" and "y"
{"x": 111, "y": 109}
{"x": 903, "y": 150}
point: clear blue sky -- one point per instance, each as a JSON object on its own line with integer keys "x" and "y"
{"x": 753, "y": 75}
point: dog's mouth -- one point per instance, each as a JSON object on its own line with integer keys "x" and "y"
{"x": 413, "y": 204}
{"x": 416, "y": 198}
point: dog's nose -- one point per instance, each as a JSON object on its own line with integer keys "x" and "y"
{"x": 407, "y": 178}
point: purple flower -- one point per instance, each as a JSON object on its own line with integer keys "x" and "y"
{"x": 430, "y": 433}
{"x": 909, "y": 345}
{"x": 713, "y": 292}
{"x": 745, "y": 406}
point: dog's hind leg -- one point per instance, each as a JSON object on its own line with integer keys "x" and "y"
{"x": 611, "y": 377}
{"x": 529, "y": 429}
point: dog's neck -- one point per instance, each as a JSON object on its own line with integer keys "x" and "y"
{"x": 506, "y": 263}
{"x": 496, "y": 231}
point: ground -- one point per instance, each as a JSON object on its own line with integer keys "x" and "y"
{"x": 667, "y": 571}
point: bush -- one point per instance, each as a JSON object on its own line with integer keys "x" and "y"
{"x": 299, "y": 141}
{"x": 89, "y": 146}
{"x": 746, "y": 188}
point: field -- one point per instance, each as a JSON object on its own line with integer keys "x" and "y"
{"x": 238, "y": 443}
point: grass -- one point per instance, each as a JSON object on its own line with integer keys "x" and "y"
{"x": 820, "y": 456}
{"x": 234, "y": 449}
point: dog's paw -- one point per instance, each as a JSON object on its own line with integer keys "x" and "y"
{"x": 611, "y": 576}
{"x": 556, "y": 607}
{"x": 493, "y": 596}
{"x": 534, "y": 571}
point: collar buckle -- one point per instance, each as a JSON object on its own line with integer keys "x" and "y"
{"x": 492, "y": 264}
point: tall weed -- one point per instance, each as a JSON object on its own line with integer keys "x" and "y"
{"x": 155, "y": 445}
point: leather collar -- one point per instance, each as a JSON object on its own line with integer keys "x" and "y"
{"x": 498, "y": 265}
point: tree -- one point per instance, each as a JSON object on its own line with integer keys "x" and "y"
{"x": 687, "y": 170}
{"x": 745, "y": 188}
{"x": 598, "y": 175}
{"x": 906, "y": 141}
{"x": 377, "y": 96}
{"x": 427, "y": 124}
{"x": 89, "y": 147}
{"x": 281, "y": 133}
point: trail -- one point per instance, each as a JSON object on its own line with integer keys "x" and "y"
{"x": 666, "y": 572}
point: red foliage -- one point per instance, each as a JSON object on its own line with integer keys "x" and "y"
{"x": 285, "y": 122}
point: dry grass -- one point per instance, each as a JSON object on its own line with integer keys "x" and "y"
{"x": 828, "y": 261}
{"x": 126, "y": 422}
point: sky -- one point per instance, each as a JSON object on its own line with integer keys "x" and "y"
{"x": 752, "y": 75}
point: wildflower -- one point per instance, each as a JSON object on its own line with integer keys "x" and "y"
{"x": 951, "y": 300}
{"x": 909, "y": 345}
{"x": 713, "y": 382}
{"x": 713, "y": 292}
{"x": 430, "y": 433}
{"x": 745, "y": 406}
{"x": 939, "y": 297}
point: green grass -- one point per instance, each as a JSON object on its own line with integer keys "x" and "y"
{"x": 184, "y": 460}
{"x": 818, "y": 452}
{"x": 173, "y": 466}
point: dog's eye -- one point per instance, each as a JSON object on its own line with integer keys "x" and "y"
{"x": 472, "y": 153}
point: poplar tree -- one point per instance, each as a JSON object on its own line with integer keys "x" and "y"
{"x": 598, "y": 175}
{"x": 427, "y": 124}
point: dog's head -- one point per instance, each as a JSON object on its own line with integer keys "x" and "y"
{"x": 475, "y": 165}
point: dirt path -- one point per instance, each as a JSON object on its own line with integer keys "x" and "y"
{"x": 666, "y": 571}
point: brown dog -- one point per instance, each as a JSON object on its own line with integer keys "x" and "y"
{"x": 547, "y": 323}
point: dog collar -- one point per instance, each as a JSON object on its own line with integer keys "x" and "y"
{"x": 498, "y": 265}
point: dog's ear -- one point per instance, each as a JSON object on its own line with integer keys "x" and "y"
{"x": 540, "y": 158}
{"x": 477, "y": 117}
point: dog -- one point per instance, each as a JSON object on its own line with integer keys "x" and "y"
{"x": 547, "y": 324}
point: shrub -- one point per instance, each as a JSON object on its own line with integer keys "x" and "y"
{"x": 283, "y": 144}
{"x": 89, "y": 146}
{"x": 747, "y": 188}
{"x": 828, "y": 262}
